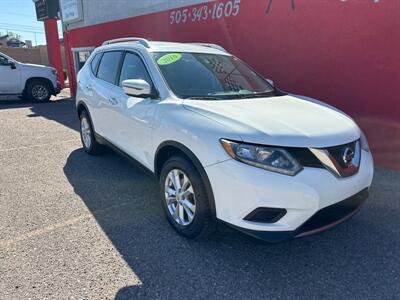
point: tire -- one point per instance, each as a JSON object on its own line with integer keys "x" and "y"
{"x": 202, "y": 223}
{"x": 89, "y": 143}
{"x": 38, "y": 90}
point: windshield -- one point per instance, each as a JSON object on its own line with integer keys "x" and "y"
{"x": 4, "y": 58}
{"x": 210, "y": 76}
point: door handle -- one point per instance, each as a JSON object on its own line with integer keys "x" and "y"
{"x": 113, "y": 100}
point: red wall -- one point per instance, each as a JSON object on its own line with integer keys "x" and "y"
{"x": 346, "y": 53}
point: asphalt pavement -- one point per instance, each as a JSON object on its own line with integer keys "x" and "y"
{"x": 74, "y": 226}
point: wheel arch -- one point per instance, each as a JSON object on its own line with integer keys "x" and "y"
{"x": 169, "y": 148}
{"x": 48, "y": 81}
{"x": 81, "y": 106}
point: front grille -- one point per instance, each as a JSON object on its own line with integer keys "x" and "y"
{"x": 305, "y": 157}
{"x": 333, "y": 214}
{"x": 337, "y": 153}
{"x": 341, "y": 161}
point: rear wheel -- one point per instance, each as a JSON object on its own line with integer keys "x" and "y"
{"x": 38, "y": 90}
{"x": 184, "y": 198}
{"x": 90, "y": 145}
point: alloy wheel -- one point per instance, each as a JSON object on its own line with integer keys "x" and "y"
{"x": 40, "y": 92}
{"x": 179, "y": 197}
{"x": 86, "y": 133}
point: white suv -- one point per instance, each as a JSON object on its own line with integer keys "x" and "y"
{"x": 224, "y": 143}
{"x": 35, "y": 82}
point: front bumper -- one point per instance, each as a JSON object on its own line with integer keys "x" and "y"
{"x": 239, "y": 189}
{"x": 324, "y": 219}
{"x": 57, "y": 89}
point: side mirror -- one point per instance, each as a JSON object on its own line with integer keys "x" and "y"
{"x": 11, "y": 64}
{"x": 137, "y": 88}
{"x": 270, "y": 81}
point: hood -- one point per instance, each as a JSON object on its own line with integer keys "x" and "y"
{"x": 288, "y": 121}
{"x": 34, "y": 66}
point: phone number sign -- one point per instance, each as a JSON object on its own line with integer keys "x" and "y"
{"x": 216, "y": 10}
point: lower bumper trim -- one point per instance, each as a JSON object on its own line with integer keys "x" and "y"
{"x": 333, "y": 215}
{"x": 322, "y": 220}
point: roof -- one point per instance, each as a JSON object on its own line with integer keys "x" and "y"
{"x": 11, "y": 41}
{"x": 158, "y": 46}
{"x": 15, "y": 41}
{"x": 186, "y": 47}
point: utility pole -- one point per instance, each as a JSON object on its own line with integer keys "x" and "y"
{"x": 53, "y": 48}
{"x": 48, "y": 11}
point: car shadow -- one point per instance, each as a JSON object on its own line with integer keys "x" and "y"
{"x": 60, "y": 110}
{"x": 358, "y": 259}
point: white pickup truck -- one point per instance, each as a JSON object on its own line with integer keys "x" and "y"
{"x": 35, "y": 82}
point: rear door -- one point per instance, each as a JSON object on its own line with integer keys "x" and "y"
{"x": 102, "y": 102}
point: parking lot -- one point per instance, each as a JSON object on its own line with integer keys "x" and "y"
{"x": 82, "y": 227}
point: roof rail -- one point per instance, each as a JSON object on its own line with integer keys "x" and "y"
{"x": 215, "y": 46}
{"x": 141, "y": 41}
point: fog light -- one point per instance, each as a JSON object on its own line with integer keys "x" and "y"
{"x": 265, "y": 215}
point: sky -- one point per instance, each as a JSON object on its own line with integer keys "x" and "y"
{"x": 19, "y": 16}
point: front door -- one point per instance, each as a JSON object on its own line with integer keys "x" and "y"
{"x": 10, "y": 80}
{"x": 134, "y": 117}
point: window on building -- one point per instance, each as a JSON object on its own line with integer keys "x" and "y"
{"x": 108, "y": 67}
{"x": 133, "y": 68}
{"x": 83, "y": 56}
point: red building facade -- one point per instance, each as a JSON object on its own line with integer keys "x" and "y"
{"x": 346, "y": 53}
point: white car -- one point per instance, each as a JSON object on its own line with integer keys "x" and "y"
{"x": 35, "y": 82}
{"x": 224, "y": 143}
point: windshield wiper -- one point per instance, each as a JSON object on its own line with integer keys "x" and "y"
{"x": 203, "y": 98}
{"x": 257, "y": 95}
{"x": 234, "y": 96}
{"x": 243, "y": 95}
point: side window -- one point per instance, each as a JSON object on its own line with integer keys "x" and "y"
{"x": 95, "y": 62}
{"x": 108, "y": 67}
{"x": 133, "y": 68}
{"x": 3, "y": 61}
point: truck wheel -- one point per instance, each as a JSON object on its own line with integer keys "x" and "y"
{"x": 38, "y": 90}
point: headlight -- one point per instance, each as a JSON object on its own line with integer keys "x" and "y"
{"x": 364, "y": 142}
{"x": 270, "y": 158}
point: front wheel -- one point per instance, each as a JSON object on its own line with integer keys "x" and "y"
{"x": 38, "y": 90}
{"x": 184, "y": 198}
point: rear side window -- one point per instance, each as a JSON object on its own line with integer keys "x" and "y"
{"x": 95, "y": 62}
{"x": 133, "y": 68}
{"x": 108, "y": 67}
